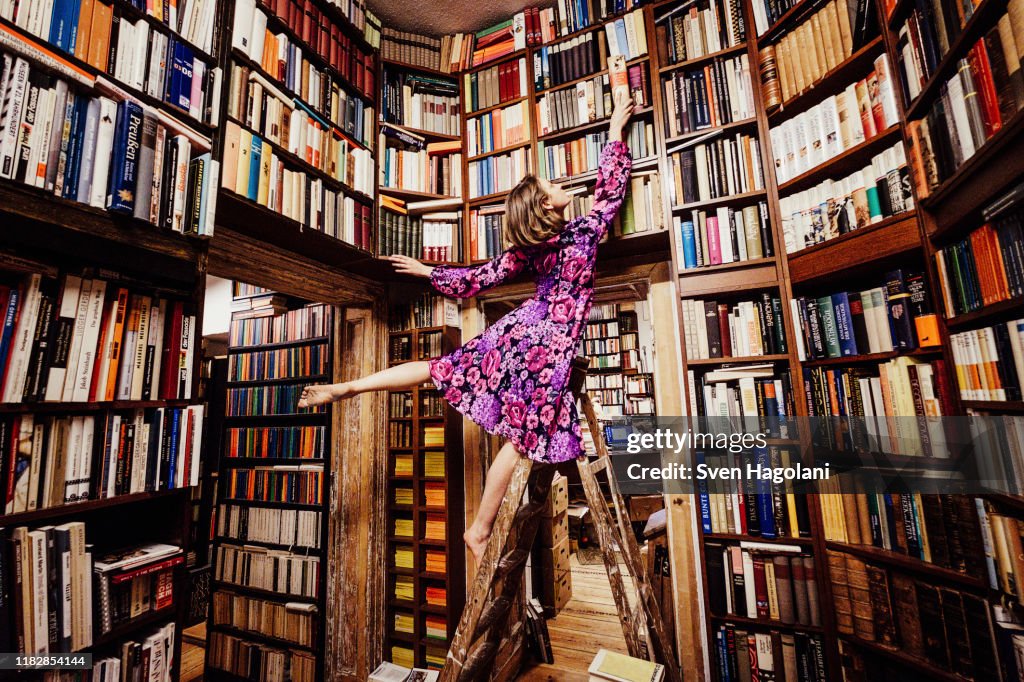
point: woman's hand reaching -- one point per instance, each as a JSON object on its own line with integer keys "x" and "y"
{"x": 620, "y": 115}
{"x": 410, "y": 266}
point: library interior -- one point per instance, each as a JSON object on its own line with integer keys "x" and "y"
{"x": 324, "y": 324}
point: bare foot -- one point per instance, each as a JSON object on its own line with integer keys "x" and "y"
{"x": 476, "y": 540}
{"x": 322, "y": 394}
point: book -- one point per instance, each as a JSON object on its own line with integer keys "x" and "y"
{"x": 609, "y": 665}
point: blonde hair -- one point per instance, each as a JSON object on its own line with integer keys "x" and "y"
{"x": 527, "y": 222}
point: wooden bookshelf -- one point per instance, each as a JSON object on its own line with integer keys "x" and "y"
{"x": 424, "y": 408}
{"x": 233, "y": 460}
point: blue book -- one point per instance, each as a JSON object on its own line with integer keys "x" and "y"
{"x": 124, "y": 164}
{"x": 58, "y": 21}
{"x": 891, "y": 522}
{"x": 844, "y": 324}
{"x": 74, "y": 10}
{"x": 183, "y": 61}
{"x": 705, "y": 501}
{"x": 254, "y": 167}
{"x": 689, "y": 245}
{"x": 10, "y": 317}
{"x": 620, "y": 37}
{"x": 173, "y": 460}
{"x": 763, "y": 486}
{"x": 79, "y": 123}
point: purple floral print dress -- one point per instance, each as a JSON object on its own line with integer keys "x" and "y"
{"x": 513, "y": 379}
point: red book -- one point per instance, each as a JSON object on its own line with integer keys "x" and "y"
{"x": 982, "y": 70}
{"x": 147, "y": 570}
{"x": 503, "y": 82}
{"x": 942, "y": 388}
{"x": 726, "y": 337}
{"x": 306, "y": 29}
{"x": 514, "y": 79}
{"x": 760, "y": 588}
{"x": 109, "y": 312}
{"x": 171, "y": 351}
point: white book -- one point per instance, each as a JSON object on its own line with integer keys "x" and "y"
{"x": 104, "y": 152}
{"x": 180, "y": 182}
{"x": 39, "y": 135}
{"x": 14, "y": 97}
{"x": 22, "y": 341}
{"x": 241, "y": 35}
{"x": 67, "y": 314}
{"x": 140, "y": 45}
{"x": 197, "y": 438}
{"x": 748, "y": 585}
{"x": 259, "y": 34}
{"x": 40, "y": 612}
{"x": 140, "y": 452}
{"x": 90, "y": 340}
{"x": 88, "y": 149}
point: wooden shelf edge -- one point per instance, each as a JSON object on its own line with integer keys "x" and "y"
{"x": 907, "y": 563}
{"x": 78, "y": 508}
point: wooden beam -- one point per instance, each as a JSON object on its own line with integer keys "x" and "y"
{"x": 358, "y": 497}
{"x": 237, "y": 257}
{"x": 681, "y": 521}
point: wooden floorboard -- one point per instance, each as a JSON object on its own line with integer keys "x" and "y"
{"x": 588, "y": 622}
{"x": 193, "y": 654}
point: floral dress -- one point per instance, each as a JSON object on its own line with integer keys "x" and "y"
{"x": 513, "y": 379}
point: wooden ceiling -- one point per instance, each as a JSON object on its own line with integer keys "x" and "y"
{"x": 440, "y": 17}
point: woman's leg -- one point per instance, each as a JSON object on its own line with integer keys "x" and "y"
{"x": 406, "y": 375}
{"x": 498, "y": 478}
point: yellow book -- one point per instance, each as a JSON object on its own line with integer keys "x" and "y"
{"x": 266, "y": 157}
{"x": 242, "y": 168}
{"x": 609, "y": 665}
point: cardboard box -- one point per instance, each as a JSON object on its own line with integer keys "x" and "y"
{"x": 552, "y": 531}
{"x": 642, "y": 506}
{"x": 554, "y": 560}
{"x": 557, "y": 593}
{"x": 558, "y": 500}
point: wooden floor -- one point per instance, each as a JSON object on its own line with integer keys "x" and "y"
{"x": 192, "y": 653}
{"x": 587, "y": 623}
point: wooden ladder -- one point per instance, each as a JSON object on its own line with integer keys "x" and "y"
{"x": 499, "y": 576}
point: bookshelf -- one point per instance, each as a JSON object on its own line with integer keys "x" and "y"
{"x": 271, "y": 493}
{"x": 424, "y": 491}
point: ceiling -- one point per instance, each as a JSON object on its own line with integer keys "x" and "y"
{"x": 441, "y": 17}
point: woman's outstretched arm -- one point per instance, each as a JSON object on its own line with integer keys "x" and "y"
{"x": 614, "y": 166}
{"x": 466, "y": 282}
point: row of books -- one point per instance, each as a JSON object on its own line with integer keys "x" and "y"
{"x": 902, "y": 387}
{"x": 568, "y": 17}
{"x": 715, "y": 94}
{"x": 311, "y": 322}
{"x": 152, "y": 658}
{"x": 76, "y": 146}
{"x": 640, "y": 212}
{"x": 588, "y": 101}
{"x": 258, "y": 401}
{"x": 950, "y": 629}
{"x": 581, "y": 155}
{"x": 836, "y": 207}
{"x": 433, "y": 237}
{"x": 410, "y": 48}
{"x": 862, "y": 111}
{"x": 254, "y": 169}
{"x": 287, "y": 123}
{"x": 685, "y": 32}
{"x": 288, "y": 527}
{"x": 280, "y": 363}
{"x": 765, "y": 582}
{"x": 135, "y": 54}
{"x": 259, "y": 662}
{"x": 420, "y": 101}
{"x": 727, "y": 236}
{"x": 496, "y": 85}
{"x": 497, "y": 129}
{"x": 48, "y": 461}
{"x": 758, "y": 510}
{"x": 133, "y": 583}
{"x": 400, "y": 404}
{"x": 895, "y": 317}
{"x": 294, "y": 484}
{"x": 429, "y": 310}
{"x": 411, "y": 163}
{"x": 989, "y": 361}
{"x": 806, "y": 54}
{"x": 570, "y": 60}
{"x": 945, "y": 530}
{"x": 266, "y": 569}
{"x": 985, "y": 267}
{"x": 310, "y": 87}
{"x": 747, "y": 656}
{"x": 400, "y": 436}
{"x": 293, "y": 622}
{"x": 716, "y": 169}
{"x": 83, "y": 339}
{"x": 973, "y": 104}
{"x": 498, "y": 173}
{"x": 752, "y": 391}
{"x": 745, "y": 329}
{"x": 486, "y": 227}
{"x": 324, "y": 38}
{"x": 862, "y": 18}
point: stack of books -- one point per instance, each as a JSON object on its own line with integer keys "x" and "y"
{"x": 404, "y": 588}
{"x": 686, "y": 32}
{"x": 433, "y": 464}
{"x": 436, "y": 527}
{"x": 745, "y": 329}
{"x": 435, "y": 562}
{"x": 434, "y": 494}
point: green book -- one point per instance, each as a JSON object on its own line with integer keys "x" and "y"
{"x": 628, "y": 216}
{"x": 493, "y": 29}
{"x": 828, "y": 325}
